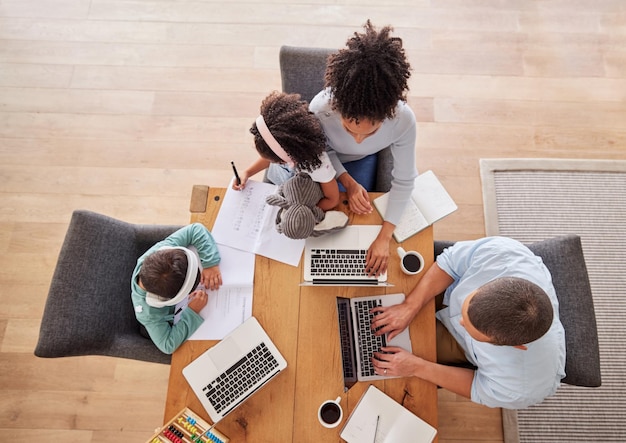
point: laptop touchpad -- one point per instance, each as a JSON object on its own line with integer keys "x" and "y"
{"x": 225, "y": 354}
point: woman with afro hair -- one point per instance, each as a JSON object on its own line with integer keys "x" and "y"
{"x": 288, "y": 135}
{"x": 363, "y": 110}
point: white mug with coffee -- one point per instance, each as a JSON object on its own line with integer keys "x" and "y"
{"x": 411, "y": 262}
{"x": 330, "y": 413}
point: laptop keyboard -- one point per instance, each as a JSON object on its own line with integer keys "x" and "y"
{"x": 338, "y": 262}
{"x": 240, "y": 377}
{"x": 368, "y": 342}
{"x": 345, "y": 326}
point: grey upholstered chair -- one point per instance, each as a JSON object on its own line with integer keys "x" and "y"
{"x": 302, "y": 71}
{"x": 563, "y": 256}
{"x": 89, "y": 310}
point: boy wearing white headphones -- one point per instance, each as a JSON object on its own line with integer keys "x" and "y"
{"x": 165, "y": 275}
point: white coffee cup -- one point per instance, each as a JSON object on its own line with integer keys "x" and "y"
{"x": 411, "y": 262}
{"x": 330, "y": 413}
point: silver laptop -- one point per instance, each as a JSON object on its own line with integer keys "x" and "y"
{"x": 358, "y": 342}
{"x": 231, "y": 371}
{"x": 338, "y": 259}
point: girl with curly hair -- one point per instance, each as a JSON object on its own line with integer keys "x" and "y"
{"x": 363, "y": 110}
{"x": 288, "y": 135}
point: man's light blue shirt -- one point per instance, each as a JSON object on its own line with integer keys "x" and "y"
{"x": 506, "y": 377}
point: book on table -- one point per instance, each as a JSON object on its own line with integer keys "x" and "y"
{"x": 379, "y": 418}
{"x": 429, "y": 202}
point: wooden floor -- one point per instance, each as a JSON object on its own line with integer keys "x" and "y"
{"x": 120, "y": 106}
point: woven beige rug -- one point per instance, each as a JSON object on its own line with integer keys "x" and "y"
{"x": 533, "y": 199}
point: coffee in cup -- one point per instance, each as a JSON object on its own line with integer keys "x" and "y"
{"x": 411, "y": 262}
{"x": 330, "y": 413}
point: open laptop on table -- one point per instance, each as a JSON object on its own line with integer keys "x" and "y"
{"x": 227, "y": 374}
{"x": 338, "y": 259}
{"x": 358, "y": 342}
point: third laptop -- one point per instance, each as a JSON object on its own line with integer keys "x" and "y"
{"x": 227, "y": 374}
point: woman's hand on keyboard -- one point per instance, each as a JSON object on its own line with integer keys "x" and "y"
{"x": 378, "y": 252}
{"x": 377, "y": 257}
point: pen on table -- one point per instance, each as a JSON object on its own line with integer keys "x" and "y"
{"x": 376, "y": 430}
{"x": 236, "y": 174}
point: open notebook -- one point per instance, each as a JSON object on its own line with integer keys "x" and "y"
{"x": 429, "y": 202}
{"x": 379, "y": 418}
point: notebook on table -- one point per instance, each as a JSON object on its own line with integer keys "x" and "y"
{"x": 358, "y": 342}
{"x": 378, "y": 418}
{"x": 338, "y": 259}
{"x": 429, "y": 203}
{"x": 238, "y": 366}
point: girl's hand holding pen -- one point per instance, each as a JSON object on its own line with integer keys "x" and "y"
{"x": 239, "y": 182}
{"x": 243, "y": 178}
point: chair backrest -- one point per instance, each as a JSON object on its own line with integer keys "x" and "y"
{"x": 89, "y": 310}
{"x": 302, "y": 71}
{"x": 563, "y": 256}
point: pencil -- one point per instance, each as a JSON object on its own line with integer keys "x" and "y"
{"x": 376, "y": 430}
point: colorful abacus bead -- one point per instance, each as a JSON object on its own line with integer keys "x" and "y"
{"x": 174, "y": 435}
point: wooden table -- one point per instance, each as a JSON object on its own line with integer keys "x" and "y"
{"x": 302, "y": 321}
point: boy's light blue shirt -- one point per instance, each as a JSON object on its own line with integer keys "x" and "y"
{"x": 506, "y": 377}
{"x": 157, "y": 320}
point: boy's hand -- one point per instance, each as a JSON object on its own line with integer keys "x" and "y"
{"x": 211, "y": 278}
{"x": 198, "y": 300}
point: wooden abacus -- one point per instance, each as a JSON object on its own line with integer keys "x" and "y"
{"x": 187, "y": 427}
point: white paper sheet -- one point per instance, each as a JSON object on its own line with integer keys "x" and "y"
{"x": 226, "y": 309}
{"x": 231, "y": 304}
{"x": 247, "y": 223}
